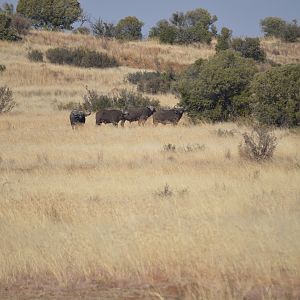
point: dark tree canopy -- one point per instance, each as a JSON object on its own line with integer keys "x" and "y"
{"x": 218, "y": 89}
{"x": 276, "y": 96}
{"x": 52, "y": 14}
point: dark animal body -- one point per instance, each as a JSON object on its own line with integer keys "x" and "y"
{"x": 140, "y": 114}
{"x": 166, "y": 116}
{"x": 107, "y": 116}
{"x": 77, "y": 117}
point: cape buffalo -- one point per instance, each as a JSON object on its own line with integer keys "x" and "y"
{"x": 113, "y": 116}
{"x": 138, "y": 114}
{"x": 77, "y": 117}
{"x": 166, "y": 116}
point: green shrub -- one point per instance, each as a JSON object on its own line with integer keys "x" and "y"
{"x": 6, "y": 100}
{"x": 35, "y": 55}
{"x": 152, "y": 82}
{"x": 224, "y": 40}
{"x": 276, "y": 96}
{"x": 249, "y": 48}
{"x": 276, "y": 27}
{"x": 122, "y": 99}
{"x": 81, "y": 57}
{"x": 217, "y": 89}
{"x": 195, "y": 26}
{"x": 6, "y": 30}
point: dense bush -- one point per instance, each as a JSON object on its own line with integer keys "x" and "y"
{"x": 35, "y": 55}
{"x": 249, "y": 48}
{"x": 6, "y": 100}
{"x": 276, "y": 27}
{"x": 122, "y": 99}
{"x": 152, "y": 82}
{"x": 193, "y": 26}
{"x": 276, "y": 96}
{"x": 217, "y": 89}
{"x": 6, "y": 30}
{"x": 80, "y": 57}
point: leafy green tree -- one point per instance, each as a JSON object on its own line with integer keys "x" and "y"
{"x": 218, "y": 89}
{"x": 186, "y": 28}
{"x": 52, "y": 14}
{"x": 273, "y": 26}
{"x": 249, "y": 48}
{"x": 276, "y": 96}
{"x": 129, "y": 28}
{"x": 224, "y": 39}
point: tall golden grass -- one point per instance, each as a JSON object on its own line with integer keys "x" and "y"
{"x": 104, "y": 207}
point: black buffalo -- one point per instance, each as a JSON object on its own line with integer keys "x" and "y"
{"x": 166, "y": 116}
{"x": 138, "y": 114}
{"x": 77, "y": 117}
{"x": 107, "y": 116}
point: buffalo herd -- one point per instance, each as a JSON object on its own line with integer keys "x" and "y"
{"x": 140, "y": 115}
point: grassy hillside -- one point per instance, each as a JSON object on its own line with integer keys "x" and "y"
{"x": 111, "y": 213}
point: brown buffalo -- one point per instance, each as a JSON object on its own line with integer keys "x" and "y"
{"x": 140, "y": 114}
{"x": 107, "y": 116}
{"x": 165, "y": 116}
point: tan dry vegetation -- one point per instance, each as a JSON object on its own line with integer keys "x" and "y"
{"x": 90, "y": 206}
{"x": 105, "y": 212}
{"x": 280, "y": 52}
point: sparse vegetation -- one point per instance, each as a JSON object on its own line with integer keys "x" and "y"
{"x": 259, "y": 145}
{"x": 2, "y": 68}
{"x": 6, "y": 100}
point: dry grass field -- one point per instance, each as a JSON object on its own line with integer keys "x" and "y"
{"x": 109, "y": 213}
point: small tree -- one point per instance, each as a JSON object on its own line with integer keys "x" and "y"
{"x": 276, "y": 96}
{"x": 224, "y": 39}
{"x": 249, "y": 48}
{"x": 6, "y": 100}
{"x": 129, "y": 28}
{"x": 272, "y": 26}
